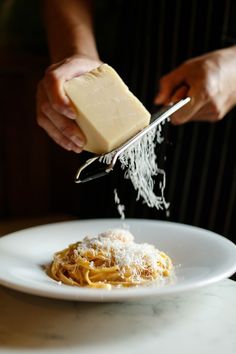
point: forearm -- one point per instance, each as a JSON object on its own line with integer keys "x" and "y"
{"x": 69, "y": 28}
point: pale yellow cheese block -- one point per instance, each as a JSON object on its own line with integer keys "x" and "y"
{"x": 108, "y": 113}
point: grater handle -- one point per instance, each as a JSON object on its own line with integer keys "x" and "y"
{"x": 97, "y": 170}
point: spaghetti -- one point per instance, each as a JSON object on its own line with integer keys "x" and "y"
{"x": 110, "y": 259}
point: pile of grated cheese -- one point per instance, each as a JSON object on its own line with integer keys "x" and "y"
{"x": 119, "y": 249}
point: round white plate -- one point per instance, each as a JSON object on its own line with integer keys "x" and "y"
{"x": 200, "y": 257}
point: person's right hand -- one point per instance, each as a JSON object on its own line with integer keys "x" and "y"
{"x": 55, "y": 113}
{"x": 210, "y": 82}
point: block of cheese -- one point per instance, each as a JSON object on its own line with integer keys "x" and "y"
{"x": 108, "y": 113}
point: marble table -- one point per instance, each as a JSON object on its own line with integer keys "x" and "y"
{"x": 199, "y": 322}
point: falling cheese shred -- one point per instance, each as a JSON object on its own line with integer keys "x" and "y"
{"x": 140, "y": 167}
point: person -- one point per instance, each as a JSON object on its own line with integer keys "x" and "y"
{"x": 208, "y": 79}
{"x": 201, "y": 66}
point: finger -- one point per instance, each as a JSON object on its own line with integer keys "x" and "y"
{"x": 53, "y": 85}
{"x": 207, "y": 117}
{"x": 73, "y": 67}
{"x": 67, "y": 127}
{"x": 206, "y": 113}
{"x": 186, "y": 113}
{"x": 48, "y": 91}
{"x": 168, "y": 84}
{"x": 56, "y": 134}
{"x": 56, "y": 76}
{"x": 179, "y": 94}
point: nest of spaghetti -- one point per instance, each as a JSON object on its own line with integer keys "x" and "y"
{"x": 111, "y": 259}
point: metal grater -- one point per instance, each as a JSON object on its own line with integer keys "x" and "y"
{"x": 94, "y": 167}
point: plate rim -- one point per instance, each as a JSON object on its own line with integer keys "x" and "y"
{"x": 120, "y": 295}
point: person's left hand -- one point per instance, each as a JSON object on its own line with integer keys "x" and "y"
{"x": 210, "y": 81}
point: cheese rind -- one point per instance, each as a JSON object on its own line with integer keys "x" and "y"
{"x": 108, "y": 113}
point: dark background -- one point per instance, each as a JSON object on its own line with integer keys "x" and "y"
{"x": 142, "y": 40}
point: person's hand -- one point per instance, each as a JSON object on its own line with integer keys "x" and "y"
{"x": 210, "y": 81}
{"x": 55, "y": 113}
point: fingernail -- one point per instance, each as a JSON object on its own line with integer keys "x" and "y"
{"x": 68, "y": 147}
{"x": 72, "y": 147}
{"x": 160, "y": 98}
{"x": 78, "y": 141}
{"x": 77, "y": 150}
{"x": 71, "y": 114}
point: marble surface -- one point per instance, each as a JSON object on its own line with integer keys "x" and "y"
{"x": 201, "y": 321}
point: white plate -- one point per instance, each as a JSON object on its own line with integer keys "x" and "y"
{"x": 201, "y": 257}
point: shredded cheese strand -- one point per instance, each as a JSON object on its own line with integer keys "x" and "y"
{"x": 140, "y": 166}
